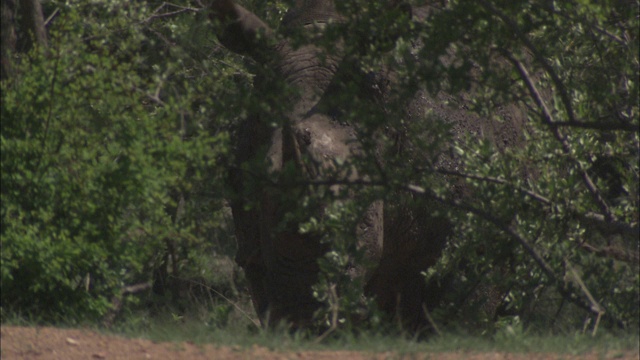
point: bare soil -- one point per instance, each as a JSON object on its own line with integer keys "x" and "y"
{"x": 71, "y": 344}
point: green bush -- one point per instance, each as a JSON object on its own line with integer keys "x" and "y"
{"x": 93, "y": 153}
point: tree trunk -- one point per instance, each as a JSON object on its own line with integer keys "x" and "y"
{"x": 8, "y": 45}
{"x": 32, "y": 25}
{"x": 22, "y": 28}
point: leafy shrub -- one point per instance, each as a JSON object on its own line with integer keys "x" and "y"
{"x": 97, "y": 138}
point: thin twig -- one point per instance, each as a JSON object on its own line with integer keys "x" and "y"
{"x": 116, "y": 301}
{"x": 603, "y": 126}
{"x": 235, "y": 305}
{"x": 612, "y": 252}
{"x": 606, "y": 223}
{"x": 430, "y": 319}
{"x": 156, "y": 15}
{"x": 595, "y": 306}
{"x": 53, "y": 14}
{"x": 600, "y": 220}
{"x": 334, "y": 307}
{"x": 529, "y": 193}
{"x": 169, "y": 14}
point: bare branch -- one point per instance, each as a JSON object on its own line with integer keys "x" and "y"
{"x": 51, "y": 17}
{"x": 168, "y": 14}
{"x": 430, "y": 319}
{"x": 595, "y": 306}
{"x": 611, "y": 226}
{"x": 632, "y": 257}
{"x": 546, "y": 114}
{"x": 162, "y": 37}
{"x": 334, "y": 307}
{"x": 529, "y": 193}
{"x": 603, "y": 126}
{"x": 235, "y": 305}
{"x": 157, "y": 15}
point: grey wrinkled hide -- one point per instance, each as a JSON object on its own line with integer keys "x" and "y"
{"x": 279, "y": 262}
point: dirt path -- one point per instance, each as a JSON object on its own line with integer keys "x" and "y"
{"x": 73, "y": 344}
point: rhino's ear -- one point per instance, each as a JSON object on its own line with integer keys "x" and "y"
{"x": 241, "y": 31}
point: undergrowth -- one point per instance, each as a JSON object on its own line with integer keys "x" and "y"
{"x": 240, "y": 332}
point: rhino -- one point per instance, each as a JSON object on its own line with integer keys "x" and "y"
{"x": 276, "y": 164}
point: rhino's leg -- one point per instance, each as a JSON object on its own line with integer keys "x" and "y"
{"x": 290, "y": 282}
{"x": 249, "y": 257}
{"x": 413, "y": 241}
{"x": 291, "y": 262}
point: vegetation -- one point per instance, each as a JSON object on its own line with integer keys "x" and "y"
{"x": 169, "y": 330}
{"x": 116, "y": 133}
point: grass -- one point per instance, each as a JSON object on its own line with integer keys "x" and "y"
{"x": 238, "y": 332}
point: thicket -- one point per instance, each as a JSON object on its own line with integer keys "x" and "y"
{"x": 115, "y": 139}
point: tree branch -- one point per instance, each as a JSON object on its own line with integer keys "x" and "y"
{"x": 566, "y": 148}
{"x": 602, "y": 126}
{"x": 595, "y": 306}
{"x": 513, "y": 234}
{"x": 562, "y": 91}
{"x": 613, "y": 252}
{"x": 157, "y": 15}
{"x": 589, "y": 24}
{"x": 564, "y": 95}
{"x": 610, "y": 226}
{"x": 529, "y": 193}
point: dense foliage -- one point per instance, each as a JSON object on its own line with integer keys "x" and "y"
{"x": 106, "y": 144}
{"x": 116, "y": 137}
{"x": 570, "y": 226}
